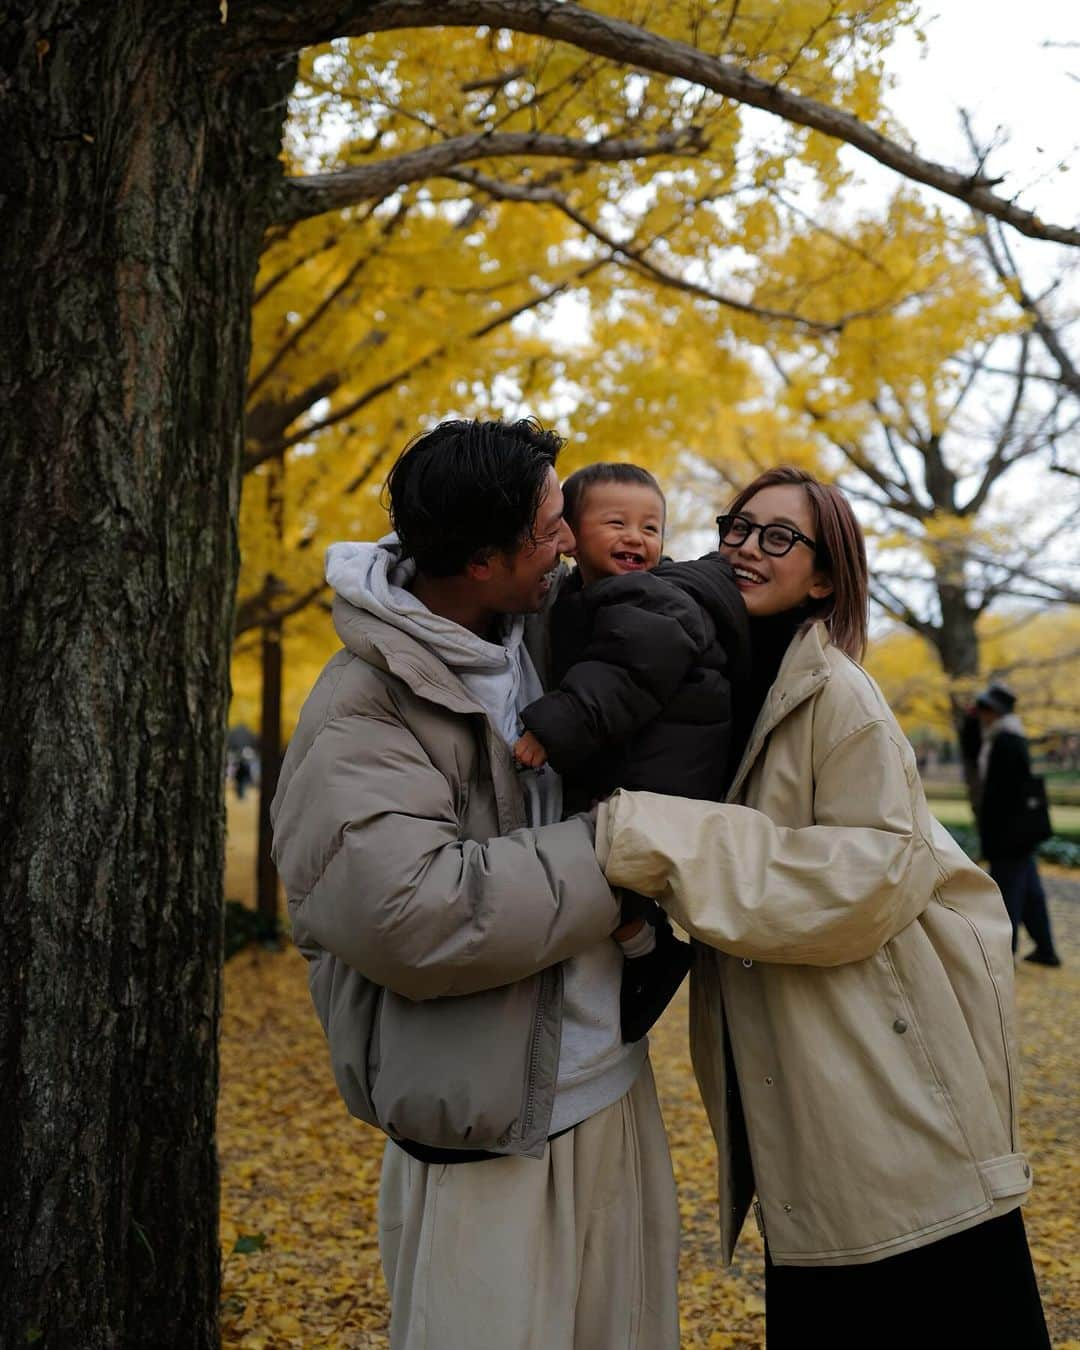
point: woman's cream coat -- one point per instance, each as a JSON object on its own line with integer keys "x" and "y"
{"x": 861, "y": 966}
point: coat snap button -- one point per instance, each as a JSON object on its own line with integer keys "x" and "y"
{"x": 747, "y": 962}
{"x": 768, "y": 1082}
{"x": 899, "y": 1026}
{"x": 787, "y": 1209}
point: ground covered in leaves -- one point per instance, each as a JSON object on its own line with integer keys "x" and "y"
{"x": 300, "y": 1178}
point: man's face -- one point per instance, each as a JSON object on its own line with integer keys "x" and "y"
{"x": 519, "y": 581}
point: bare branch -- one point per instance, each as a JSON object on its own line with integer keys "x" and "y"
{"x": 896, "y": 499}
{"x": 899, "y": 609}
{"x": 256, "y": 611}
{"x": 268, "y": 420}
{"x": 1004, "y": 265}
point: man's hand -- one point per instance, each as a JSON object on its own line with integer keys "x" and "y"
{"x": 529, "y": 752}
{"x": 633, "y": 908}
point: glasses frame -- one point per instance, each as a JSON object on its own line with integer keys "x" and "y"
{"x": 797, "y": 536}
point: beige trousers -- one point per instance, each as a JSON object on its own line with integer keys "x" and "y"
{"x": 577, "y": 1250}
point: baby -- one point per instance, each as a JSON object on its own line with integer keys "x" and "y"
{"x": 644, "y": 653}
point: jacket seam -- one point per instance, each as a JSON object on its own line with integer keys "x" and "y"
{"x": 946, "y": 1095}
{"x": 857, "y": 731}
{"x": 1014, "y": 1140}
{"x": 831, "y": 1254}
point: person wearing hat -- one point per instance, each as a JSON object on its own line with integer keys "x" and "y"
{"x": 1004, "y": 771}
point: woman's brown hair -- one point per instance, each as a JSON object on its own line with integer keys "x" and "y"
{"x": 840, "y": 552}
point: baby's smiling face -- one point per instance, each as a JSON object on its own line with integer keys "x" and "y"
{"x": 619, "y": 530}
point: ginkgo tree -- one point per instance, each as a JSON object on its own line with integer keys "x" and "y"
{"x": 144, "y": 145}
{"x": 411, "y": 301}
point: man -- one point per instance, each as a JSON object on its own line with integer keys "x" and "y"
{"x": 458, "y": 931}
{"x": 1004, "y": 771}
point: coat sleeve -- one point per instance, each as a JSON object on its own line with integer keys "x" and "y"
{"x": 645, "y": 637}
{"x": 367, "y": 841}
{"x": 824, "y": 894}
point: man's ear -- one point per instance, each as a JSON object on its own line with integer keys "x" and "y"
{"x": 821, "y": 586}
{"x": 478, "y": 568}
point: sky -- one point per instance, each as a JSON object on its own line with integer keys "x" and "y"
{"x": 990, "y": 58}
{"x": 1021, "y": 95}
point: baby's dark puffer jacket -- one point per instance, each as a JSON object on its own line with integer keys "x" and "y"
{"x": 644, "y": 666}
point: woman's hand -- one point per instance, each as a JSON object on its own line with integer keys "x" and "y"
{"x": 529, "y": 752}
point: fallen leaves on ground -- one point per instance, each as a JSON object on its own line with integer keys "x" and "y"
{"x": 299, "y": 1237}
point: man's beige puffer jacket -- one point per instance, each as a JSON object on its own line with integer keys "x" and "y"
{"x": 433, "y": 922}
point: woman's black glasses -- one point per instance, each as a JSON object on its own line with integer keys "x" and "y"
{"x": 774, "y": 538}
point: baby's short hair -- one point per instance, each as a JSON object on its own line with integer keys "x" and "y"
{"x": 576, "y": 487}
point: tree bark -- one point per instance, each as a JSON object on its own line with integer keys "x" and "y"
{"x": 141, "y": 169}
{"x": 266, "y": 877}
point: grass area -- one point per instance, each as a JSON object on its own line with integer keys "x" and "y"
{"x": 1060, "y": 792}
{"x": 1065, "y": 819}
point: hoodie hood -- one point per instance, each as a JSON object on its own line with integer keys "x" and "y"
{"x": 375, "y": 578}
{"x": 500, "y": 676}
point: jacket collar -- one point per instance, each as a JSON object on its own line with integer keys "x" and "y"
{"x": 803, "y": 671}
{"x": 388, "y": 648}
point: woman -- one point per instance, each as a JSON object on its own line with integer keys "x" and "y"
{"x": 852, "y": 980}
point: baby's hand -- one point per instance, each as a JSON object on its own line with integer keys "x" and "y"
{"x": 530, "y": 752}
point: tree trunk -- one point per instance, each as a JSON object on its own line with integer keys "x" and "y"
{"x": 958, "y": 647}
{"x": 142, "y": 175}
{"x": 266, "y": 877}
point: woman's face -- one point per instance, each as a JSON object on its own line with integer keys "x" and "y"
{"x": 772, "y": 585}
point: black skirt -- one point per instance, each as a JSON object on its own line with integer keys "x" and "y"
{"x": 975, "y": 1288}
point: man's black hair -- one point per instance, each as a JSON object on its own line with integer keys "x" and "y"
{"x": 469, "y": 489}
{"x": 577, "y": 485}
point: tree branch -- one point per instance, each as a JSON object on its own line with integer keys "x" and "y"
{"x": 301, "y": 198}
{"x": 301, "y": 330}
{"x": 1002, "y": 262}
{"x": 279, "y": 26}
{"x": 899, "y": 610}
{"x": 266, "y": 451}
{"x": 635, "y": 257}
{"x": 256, "y": 611}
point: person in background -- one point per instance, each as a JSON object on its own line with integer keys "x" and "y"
{"x": 1004, "y": 771}
{"x": 851, "y": 992}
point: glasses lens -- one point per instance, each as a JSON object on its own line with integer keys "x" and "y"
{"x": 777, "y": 540}
{"x": 733, "y": 529}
